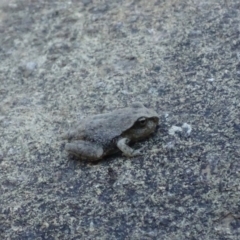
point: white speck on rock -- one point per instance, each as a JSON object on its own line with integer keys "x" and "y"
{"x": 187, "y": 128}
{"x": 31, "y": 66}
{"x": 174, "y": 129}
{"x": 170, "y": 145}
{"x": 210, "y": 79}
{"x": 91, "y": 227}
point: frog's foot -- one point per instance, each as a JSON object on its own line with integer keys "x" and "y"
{"x": 128, "y": 151}
{"x": 85, "y": 150}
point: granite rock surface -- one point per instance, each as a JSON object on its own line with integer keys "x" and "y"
{"x": 61, "y": 61}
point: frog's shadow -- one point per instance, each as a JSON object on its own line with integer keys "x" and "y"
{"x": 106, "y": 159}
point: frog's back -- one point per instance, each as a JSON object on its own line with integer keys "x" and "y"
{"x": 107, "y": 126}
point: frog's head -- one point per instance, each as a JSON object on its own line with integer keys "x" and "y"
{"x": 145, "y": 123}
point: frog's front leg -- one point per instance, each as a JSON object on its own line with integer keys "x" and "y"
{"x": 128, "y": 151}
{"x": 85, "y": 150}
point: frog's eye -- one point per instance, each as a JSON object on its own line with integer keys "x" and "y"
{"x": 142, "y": 121}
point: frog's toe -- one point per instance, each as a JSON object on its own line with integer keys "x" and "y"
{"x": 138, "y": 152}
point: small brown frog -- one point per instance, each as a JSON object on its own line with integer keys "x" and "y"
{"x": 100, "y": 135}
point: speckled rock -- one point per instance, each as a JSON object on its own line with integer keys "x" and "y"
{"x": 64, "y": 60}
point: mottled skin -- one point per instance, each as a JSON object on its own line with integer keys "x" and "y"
{"x": 100, "y": 135}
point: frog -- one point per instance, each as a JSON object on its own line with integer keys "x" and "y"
{"x": 101, "y": 135}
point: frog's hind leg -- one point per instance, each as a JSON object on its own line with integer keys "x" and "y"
{"x": 85, "y": 150}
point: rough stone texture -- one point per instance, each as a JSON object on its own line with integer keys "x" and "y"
{"x": 63, "y": 60}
